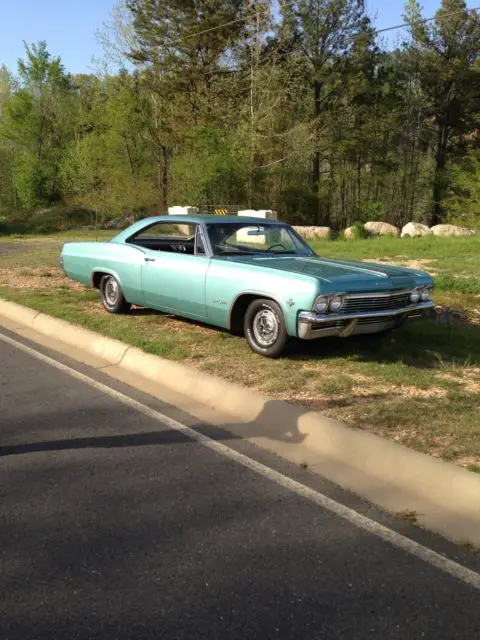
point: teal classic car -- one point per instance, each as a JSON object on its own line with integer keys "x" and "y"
{"x": 246, "y": 274}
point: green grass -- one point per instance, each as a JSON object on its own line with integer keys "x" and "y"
{"x": 450, "y": 253}
{"x": 419, "y": 387}
{"x": 66, "y": 236}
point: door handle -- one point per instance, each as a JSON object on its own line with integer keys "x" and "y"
{"x": 149, "y": 259}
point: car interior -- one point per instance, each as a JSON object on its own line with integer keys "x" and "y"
{"x": 163, "y": 239}
{"x": 170, "y": 244}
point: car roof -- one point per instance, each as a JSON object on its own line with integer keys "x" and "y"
{"x": 195, "y": 219}
{"x": 209, "y": 219}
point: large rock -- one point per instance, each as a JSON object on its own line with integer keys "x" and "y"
{"x": 415, "y": 230}
{"x": 380, "y": 229}
{"x": 451, "y": 230}
{"x": 350, "y": 233}
{"x": 312, "y": 233}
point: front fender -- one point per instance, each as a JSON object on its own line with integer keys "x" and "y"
{"x": 287, "y": 306}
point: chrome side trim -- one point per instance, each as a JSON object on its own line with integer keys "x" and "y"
{"x": 206, "y": 240}
{"x": 380, "y": 294}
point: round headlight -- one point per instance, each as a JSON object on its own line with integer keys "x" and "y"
{"x": 415, "y": 296}
{"x": 336, "y": 303}
{"x": 425, "y": 294}
{"x": 321, "y": 304}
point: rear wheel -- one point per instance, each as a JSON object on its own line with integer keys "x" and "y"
{"x": 112, "y": 297}
{"x": 265, "y": 329}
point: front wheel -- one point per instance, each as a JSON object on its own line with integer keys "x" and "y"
{"x": 112, "y": 297}
{"x": 265, "y": 329}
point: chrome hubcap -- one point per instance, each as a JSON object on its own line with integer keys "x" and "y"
{"x": 111, "y": 291}
{"x": 265, "y": 327}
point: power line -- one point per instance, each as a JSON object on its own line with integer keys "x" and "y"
{"x": 218, "y": 26}
{"x": 377, "y": 31}
{"x": 423, "y": 21}
{"x": 201, "y": 33}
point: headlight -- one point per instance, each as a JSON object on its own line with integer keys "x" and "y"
{"x": 415, "y": 296}
{"x": 336, "y": 303}
{"x": 321, "y": 304}
{"x": 425, "y": 294}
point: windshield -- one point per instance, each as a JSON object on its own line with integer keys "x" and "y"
{"x": 245, "y": 238}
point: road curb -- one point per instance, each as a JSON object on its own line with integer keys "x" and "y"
{"x": 444, "y": 497}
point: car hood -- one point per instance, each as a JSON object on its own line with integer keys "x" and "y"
{"x": 348, "y": 275}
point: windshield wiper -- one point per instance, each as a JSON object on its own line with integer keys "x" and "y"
{"x": 282, "y": 253}
{"x": 236, "y": 253}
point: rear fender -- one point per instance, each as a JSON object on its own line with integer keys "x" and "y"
{"x": 104, "y": 271}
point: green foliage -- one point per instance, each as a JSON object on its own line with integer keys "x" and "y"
{"x": 36, "y": 125}
{"x": 208, "y": 170}
{"x": 463, "y": 203}
{"x": 358, "y": 232}
{"x": 369, "y": 211}
{"x": 299, "y": 110}
{"x": 443, "y": 60}
{"x": 299, "y": 206}
{"x": 43, "y": 221}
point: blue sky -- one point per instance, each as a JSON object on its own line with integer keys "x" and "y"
{"x": 69, "y": 26}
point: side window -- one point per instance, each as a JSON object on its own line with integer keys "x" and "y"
{"x": 167, "y": 230}
{"x": 170, "y": 237}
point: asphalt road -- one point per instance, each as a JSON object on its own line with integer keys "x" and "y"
{"x": 114, "y": 526}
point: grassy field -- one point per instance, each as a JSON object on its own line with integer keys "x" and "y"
{"x": 420, "y": 387}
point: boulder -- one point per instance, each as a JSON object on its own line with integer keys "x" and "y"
{"x": 451, "y": 230}
{"x": 380, "y": 229}
{"x": 312, "y": 233}
{"x": 349, "y": 233}
{"x": 415, "y": 230}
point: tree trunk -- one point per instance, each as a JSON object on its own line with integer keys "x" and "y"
{"x": 317, "y": 90}
{"x": 438, "y": 183}
{"x": 162, "y": 180}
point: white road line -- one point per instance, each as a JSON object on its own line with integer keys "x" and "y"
{"x": 396, "y": 539}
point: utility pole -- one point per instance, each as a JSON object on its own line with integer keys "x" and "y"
{"x": 259, "y": 9}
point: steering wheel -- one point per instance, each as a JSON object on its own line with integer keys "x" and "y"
{"x": 277, "y": 245}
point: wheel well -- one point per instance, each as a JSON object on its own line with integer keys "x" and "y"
{"x": 96, "y": 278}
{"x": 239, "y": 309}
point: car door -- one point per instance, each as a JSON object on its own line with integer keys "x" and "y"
{"x": 175, "y": 281}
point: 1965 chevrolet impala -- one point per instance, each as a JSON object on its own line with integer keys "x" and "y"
{"x": 246, "y": 274}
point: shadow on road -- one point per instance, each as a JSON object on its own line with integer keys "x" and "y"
{"x": 265, "y": 425}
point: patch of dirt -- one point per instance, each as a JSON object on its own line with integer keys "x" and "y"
{"x": 452, "y": 316}
{"x": 400, "y": 391}
{"x": 466, "y": 461}
{"x": 359, "y": 394}
{"x": 12, "y": 248}
{"x": 470, "y": 380}
{"x": 36, "y": 278}
{"x": 420, "y": 264}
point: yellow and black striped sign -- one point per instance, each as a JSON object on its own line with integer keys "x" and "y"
{"x": 220, "y": 212}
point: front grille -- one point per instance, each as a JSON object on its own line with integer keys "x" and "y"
{"x": 377, "y": 320}
{"x": 376, "y": 302}
{"x": 333, "y": 324}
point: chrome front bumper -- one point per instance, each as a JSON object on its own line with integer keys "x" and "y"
{"x": 314, "y": 325}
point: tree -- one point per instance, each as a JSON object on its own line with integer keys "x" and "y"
{"x": 324, "y": 31}
{"x": 443, "y": 56}
{"x": 37, "y": 122}
{"x": 180, "y": 50}
{"x": 8, "y": 192}
{"x": 463, "y": 203}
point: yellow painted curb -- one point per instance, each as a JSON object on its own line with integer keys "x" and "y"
{"x": 446, "y": 498}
